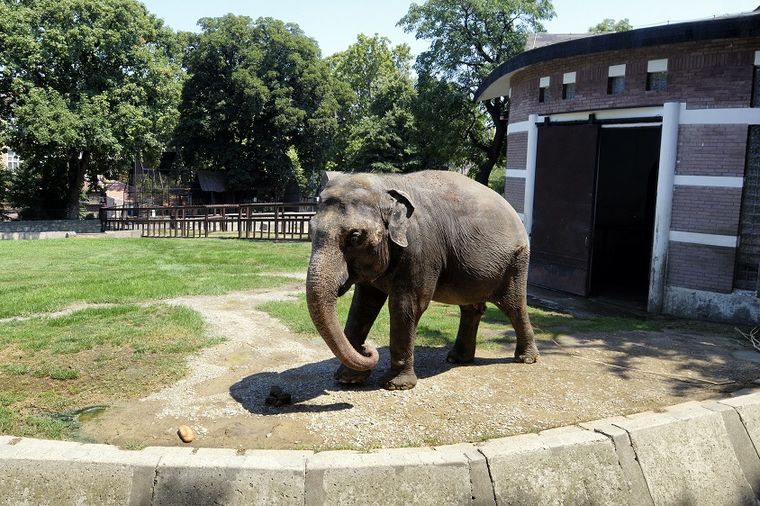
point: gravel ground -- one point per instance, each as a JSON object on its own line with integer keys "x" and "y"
{"x": 578, "y": 378}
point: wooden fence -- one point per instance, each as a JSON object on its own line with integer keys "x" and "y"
{"x": 270, "y": 221}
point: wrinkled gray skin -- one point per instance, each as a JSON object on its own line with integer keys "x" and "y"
{"x": 410, "y": 239}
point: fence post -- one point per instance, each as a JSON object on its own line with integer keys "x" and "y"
{"x": 276, "y": 223}
{"x": 240, "y": 220}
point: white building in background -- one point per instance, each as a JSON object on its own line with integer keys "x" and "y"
{"x": 10, "y": 160}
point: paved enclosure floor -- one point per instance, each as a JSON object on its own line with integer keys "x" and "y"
{"x": 579, "y": 377}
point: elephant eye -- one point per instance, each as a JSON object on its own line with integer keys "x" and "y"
{"x": 355, "y": 238}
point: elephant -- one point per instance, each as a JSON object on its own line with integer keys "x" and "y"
{"x": 411, "y": 239}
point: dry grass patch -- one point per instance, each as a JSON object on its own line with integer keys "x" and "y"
{"x": 52, "y": 368}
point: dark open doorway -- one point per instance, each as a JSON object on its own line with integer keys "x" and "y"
{"x": 626, "y": 192}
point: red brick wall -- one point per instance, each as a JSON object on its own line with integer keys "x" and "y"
{"x": 517, "y": 149}
{"x": 706, "y": 210}
{"x": 711, "y": 150}
{"x": 514, "y": 192}
{"x": 514, "y": 188}
{"x": 701, "y": 267}
{"x": 713, "y": 74}
{"x": 702, "y": 74}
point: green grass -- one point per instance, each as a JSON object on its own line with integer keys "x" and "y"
{"x": 53, "y": 367}
{"x": 43, "y": 276}
{"x": 439, "y": 325}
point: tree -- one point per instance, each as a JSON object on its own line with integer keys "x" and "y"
{"x": 608, "y": 25}
{"x": 259, "y": 103}
{"x": 446, "y": 120}
{"x": 469, "y": 38}
{"x": 378, "y": 129}
{"x": 85, "y": 86}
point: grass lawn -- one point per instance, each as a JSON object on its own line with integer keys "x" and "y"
{"x": 41, "y": 276}
{"x": 53, "y": 367}
{"x": 439, "y": 324}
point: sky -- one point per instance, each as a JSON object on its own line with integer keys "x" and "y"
{"x": 336, "y": 23}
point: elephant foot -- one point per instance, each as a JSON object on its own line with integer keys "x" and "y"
{"x": 350, "y": 377}
{"x": 400, "y": 381}
{"x": 528, "y": 356}
{"x": 457, "y": 357}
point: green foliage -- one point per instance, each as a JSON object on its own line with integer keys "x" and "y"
{"x": 446, "y": 121}
{"x": 468, "y": 39}
{"x": 36, "y": 188}
{"x": 60, "y": 273}
{"x": 86, "y": 85}
{"x": 608, "y": 25}
{"x": 497, "y": 180}
{"x": 378, "y": 129}
{"x": 258, "y": 94}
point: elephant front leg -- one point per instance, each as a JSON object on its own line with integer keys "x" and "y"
{"x": 463, "y": 351}
{"x": 405, "y": 313}
{"x": 365, "y": 306}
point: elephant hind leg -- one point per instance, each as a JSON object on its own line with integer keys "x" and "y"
{"x": 514, "y": 303}
{"x": 463, "y": 351}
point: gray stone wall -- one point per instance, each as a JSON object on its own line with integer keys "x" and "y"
{"x": 78, "y": 226}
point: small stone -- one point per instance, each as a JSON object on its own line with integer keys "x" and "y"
{"x": 185, "y": 433}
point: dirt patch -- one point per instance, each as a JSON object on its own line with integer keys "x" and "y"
{"x": 579, "y": 378}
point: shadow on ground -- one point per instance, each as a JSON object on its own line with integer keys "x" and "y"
{"x": 314, "y": 380}
{"x": 682, "y": 363}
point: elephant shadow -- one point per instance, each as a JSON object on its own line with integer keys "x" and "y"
{"x": 310, "y": 381}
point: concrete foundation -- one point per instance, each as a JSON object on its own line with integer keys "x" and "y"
{"x": 693, "y": 453}
{"x": 741, "y": 306}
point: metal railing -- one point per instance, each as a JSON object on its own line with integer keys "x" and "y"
{"x": 269, "y": 221}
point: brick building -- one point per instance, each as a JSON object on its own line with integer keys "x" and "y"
{"x": 634, "y": 161}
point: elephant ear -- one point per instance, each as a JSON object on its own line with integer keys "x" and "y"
{"x": 401, "y": 210}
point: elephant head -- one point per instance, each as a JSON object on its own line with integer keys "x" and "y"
{"x": 357, "y": 224}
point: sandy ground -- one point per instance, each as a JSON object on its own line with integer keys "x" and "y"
{"x": 579, "y": 378}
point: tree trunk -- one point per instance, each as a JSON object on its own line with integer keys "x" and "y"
{"x": 495, "y": 110}
{"x": 77, "y": 166}
{"x": 493, "y": 153}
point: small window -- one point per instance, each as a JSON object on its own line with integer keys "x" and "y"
{"x": 13, "y": 161}
{"x": 657, "y": 75}
{"x": 615, "y": 85}
{"x": 568, "y": 86}
{"x": 616, "y": 79}
{"x": 543, "y": 89}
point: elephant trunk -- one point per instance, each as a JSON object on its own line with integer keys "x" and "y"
{"x": 328, "y": 272}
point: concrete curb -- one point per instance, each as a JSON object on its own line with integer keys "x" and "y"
{"x": 692, "y": 453}
{"x": 19, "y": 236}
